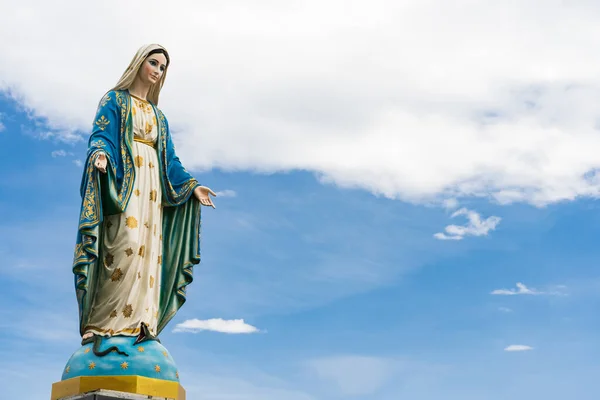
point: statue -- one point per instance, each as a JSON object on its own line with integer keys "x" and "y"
{"x": 139, "y": 231}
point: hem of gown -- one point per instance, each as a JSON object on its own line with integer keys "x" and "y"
{"x": 111, "y": 332}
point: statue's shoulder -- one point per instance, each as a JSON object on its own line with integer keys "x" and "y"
{"x": 116, "y": 97}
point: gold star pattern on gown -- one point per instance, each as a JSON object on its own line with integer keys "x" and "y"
{"x": 87, "y": 350}
{"x": 157, "y": 368}
{"x": 92, "y": 365}
{"x": 142, "y": 105}
{"x": 127, "y": 311}
{"x": 129, "y": 252}
{"x": 148, "y": 128}
{"x": 142, "y": 251}
{"x": 146, "y": 107}
{"x": 131, "y": 222}
{"x": 137, "y": 192}
{"x": 113, "y": 314}
{"x": 151, "y": 281}
{"x": 124, "y": 365}
{"x": 141, "y": 349}
{"x": 150, "y": 165}
{"x": 139, "y": 161}
{"x": 116, "y": 275}
{"x": 109, "y": 259}
{"x": 153, "y": 195}
{"x": 159, "y": 260}
{"x": 165, "y": 354}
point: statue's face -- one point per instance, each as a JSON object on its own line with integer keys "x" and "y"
{"x": 152, "y": 69}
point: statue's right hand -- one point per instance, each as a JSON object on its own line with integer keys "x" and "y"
{"x": 100, "y": 163}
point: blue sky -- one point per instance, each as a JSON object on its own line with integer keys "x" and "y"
{"x": 352, "y": 294}
{"x": 409, "y": 191}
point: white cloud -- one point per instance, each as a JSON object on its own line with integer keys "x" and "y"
{"x": 517, "y": 347}
{"x": 226, "y": 193}
{"x": 59, "y": 153}
{"x": 443, "y": 236}
{"x": 474, "y": 227}
{"x": 450, "y": 203}
{"x": 79, "y": 163}
{"x": 505, "y": 309}
{"x": 408, "y": 99}
{"x": 216, "y": 325}
{"x": 522, "y": 289}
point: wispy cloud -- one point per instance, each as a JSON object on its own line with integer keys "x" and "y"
{"x": 522, "y": 289}
{"x": 226, "y": 193}
{"x": 65, "y": 136}
{"x": 216, "y": 325}
{"x": 450, "y": 204}
{"x": 518, "y": 347}
{"x": 79, "y": 163}
{"x": 474, "y": 227}
{"x": 354, "y": 375}
{"x": 59, "y": 153}
{"x": 505, "y": 309}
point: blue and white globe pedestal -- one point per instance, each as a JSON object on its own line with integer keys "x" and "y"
{"x": 147, "y": 369}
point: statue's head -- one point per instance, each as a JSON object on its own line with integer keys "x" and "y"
{"x": 149, "y": 65}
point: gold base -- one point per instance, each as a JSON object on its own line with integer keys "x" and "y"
{"x": 129, "y": 384}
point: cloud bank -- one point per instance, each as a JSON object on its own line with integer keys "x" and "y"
{"x": 412, "y": 100}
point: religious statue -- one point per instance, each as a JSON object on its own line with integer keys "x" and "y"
{"x": 139, "y": 227}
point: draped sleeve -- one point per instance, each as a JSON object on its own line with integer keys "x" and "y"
{"x": 181, "y": 227}
{"x": 178, "y": 183}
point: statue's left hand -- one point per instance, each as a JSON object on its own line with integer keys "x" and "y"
{"x": 203, "y": 193}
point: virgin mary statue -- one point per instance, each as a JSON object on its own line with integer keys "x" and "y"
{"x": 139, "y": 226}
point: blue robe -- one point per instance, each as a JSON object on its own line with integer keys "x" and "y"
{"x": 108, "y": 194}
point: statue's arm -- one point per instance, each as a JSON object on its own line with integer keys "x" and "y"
{"x": 104, "y": 138}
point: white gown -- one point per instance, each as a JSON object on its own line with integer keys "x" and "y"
{"x": 130, "y": 271}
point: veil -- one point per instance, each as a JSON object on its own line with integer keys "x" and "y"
{"x": 130, "y": 73}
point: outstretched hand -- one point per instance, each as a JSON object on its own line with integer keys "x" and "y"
{"x": 203, "y": 193}
{"x": 100, "y": 163}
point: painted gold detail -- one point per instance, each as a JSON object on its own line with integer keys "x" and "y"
{"x": 128, "y": 384}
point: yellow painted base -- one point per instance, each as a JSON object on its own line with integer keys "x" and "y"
{"x": 129, "y": 384}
